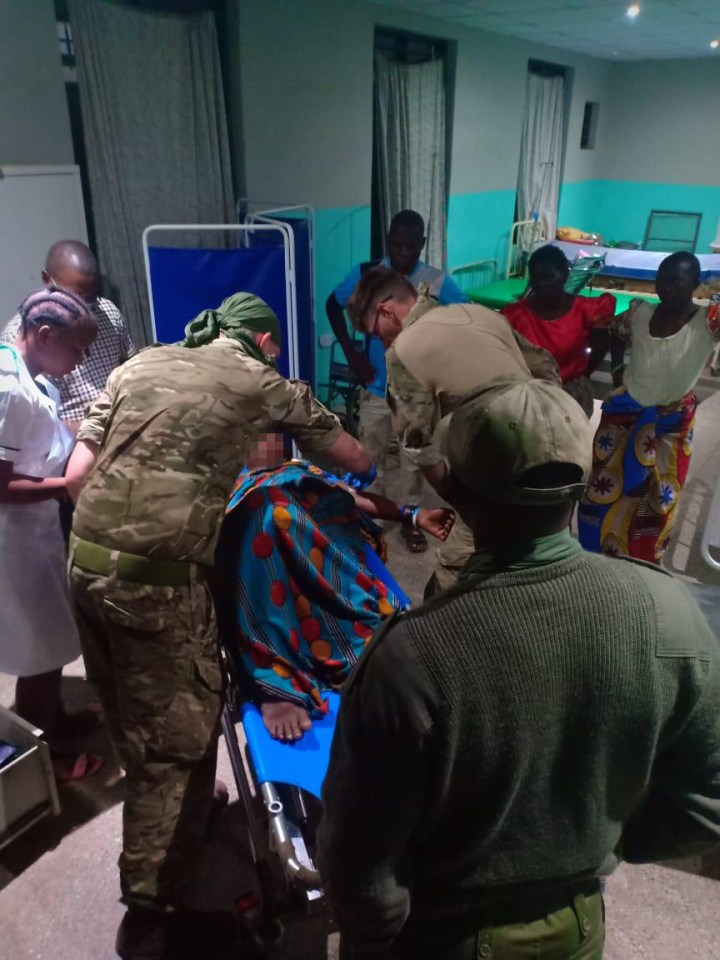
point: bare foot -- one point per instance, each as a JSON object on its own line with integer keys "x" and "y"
{"x": 284, "y": 720}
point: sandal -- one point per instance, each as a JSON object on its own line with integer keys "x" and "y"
{"x": 415, "y": 539}
{"x": 75, "y": 766}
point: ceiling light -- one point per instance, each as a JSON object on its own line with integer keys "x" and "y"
{"x": 633, "y": 11}
{"x": 715, "y": 44}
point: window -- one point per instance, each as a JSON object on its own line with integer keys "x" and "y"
{"x": 408, "y": 48}
{"x": 589, "y": 125}
{"x": 67, "y": 50}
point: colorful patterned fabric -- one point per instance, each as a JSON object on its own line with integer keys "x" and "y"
{"x": 641, "y": 457}
{"x": 306, "y": 604}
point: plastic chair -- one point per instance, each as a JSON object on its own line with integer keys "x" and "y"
{"x": 582, "y": 272}
{"x": 711, "y": 533}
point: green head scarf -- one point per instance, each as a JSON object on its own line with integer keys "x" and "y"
{"x": 240, "y": 317}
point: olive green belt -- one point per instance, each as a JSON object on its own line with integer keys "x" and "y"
{"x": 130, "y": 567}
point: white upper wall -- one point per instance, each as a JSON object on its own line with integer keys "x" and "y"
{"x": 305, "y": 77}
{"x": 34, "y": 122}
{"x": 307, "y": 105}
{"x": 665, "y": 122}
{"x": 490, "y": 104}
{"x": 304, "y": 104}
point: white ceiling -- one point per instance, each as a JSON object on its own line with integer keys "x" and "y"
{"x": 665, "y": 29}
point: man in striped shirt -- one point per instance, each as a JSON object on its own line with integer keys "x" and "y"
{"x": 72, "y": 266}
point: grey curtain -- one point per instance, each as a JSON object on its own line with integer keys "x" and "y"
{"x": 541, "y": 151}
{"x": 410, "y": 146}
{"x": 155, "y": 132}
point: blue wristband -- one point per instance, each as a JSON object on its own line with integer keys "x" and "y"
{"x": 409, "y": 515}
{"x": 360, "y": 481}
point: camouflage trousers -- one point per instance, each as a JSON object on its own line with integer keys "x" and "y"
{"x": 450, "y": 558}
{"x": 151, "y": 653}
{"x": 582, "y": 391}
{"x": 376, "y": 434}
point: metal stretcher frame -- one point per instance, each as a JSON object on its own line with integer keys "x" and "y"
{"x": 270, "y": 215}
{"x": 268, "y": 776}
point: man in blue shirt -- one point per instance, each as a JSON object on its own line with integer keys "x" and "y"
{"x": 405, "y": 241}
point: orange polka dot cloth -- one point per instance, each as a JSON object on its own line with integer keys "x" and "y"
{"x": 306, "y": 604}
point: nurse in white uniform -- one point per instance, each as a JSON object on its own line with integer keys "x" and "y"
{"x": 38, "y": 635}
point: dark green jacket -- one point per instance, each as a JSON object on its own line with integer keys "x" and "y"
{"x": 527, "y": 727}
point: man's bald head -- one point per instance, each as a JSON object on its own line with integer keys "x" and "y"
{"x": 73, "y": 266}
{"x": 71, "y": 253}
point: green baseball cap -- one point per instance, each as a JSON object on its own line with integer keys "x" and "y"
{"x": 500, "y": 436}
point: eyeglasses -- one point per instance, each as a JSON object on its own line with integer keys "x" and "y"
{"x": 374, "y": 329}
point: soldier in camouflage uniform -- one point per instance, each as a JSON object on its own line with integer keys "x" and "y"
{"x": 158, "y": 454}
{"x": 434, "y": 356}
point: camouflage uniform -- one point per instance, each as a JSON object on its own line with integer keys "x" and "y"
{"x": 441, "y": 354}
{"x": 174, "y": 427}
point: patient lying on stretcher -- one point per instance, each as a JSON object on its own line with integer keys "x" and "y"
{"x": 304, "y": 603}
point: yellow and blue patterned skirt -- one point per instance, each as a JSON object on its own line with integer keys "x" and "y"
{"x": 641, "y": 457}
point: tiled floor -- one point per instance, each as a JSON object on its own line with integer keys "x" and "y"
{"x": 59, "y": 883}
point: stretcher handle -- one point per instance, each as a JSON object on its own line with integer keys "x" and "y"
{"x": 294, "y": 869}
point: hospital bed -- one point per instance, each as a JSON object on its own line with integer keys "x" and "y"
{"x": 499, "y": 294}
{"x": 279, "y": 785}
{"x": 634, "y": 264}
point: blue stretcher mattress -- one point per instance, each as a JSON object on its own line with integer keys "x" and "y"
{"x": 303, "y": 764}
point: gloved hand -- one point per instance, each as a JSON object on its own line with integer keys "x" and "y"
{"x": 360, "y": 481}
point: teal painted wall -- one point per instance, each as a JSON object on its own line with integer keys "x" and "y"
{"x": 580, "y": 203}
{"x": 618, "y": 209}
{"x": 479, "y": 227}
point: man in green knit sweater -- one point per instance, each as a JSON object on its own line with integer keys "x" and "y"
{"x": 503, "y": 746}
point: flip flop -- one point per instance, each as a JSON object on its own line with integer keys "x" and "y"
{"x": 83, "y": 765}
{"x": 415, "y": 540}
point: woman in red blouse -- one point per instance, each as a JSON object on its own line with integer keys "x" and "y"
{"x": 572, "y": 328}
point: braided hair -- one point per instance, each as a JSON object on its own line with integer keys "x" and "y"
{"x": 54, "y": 306}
